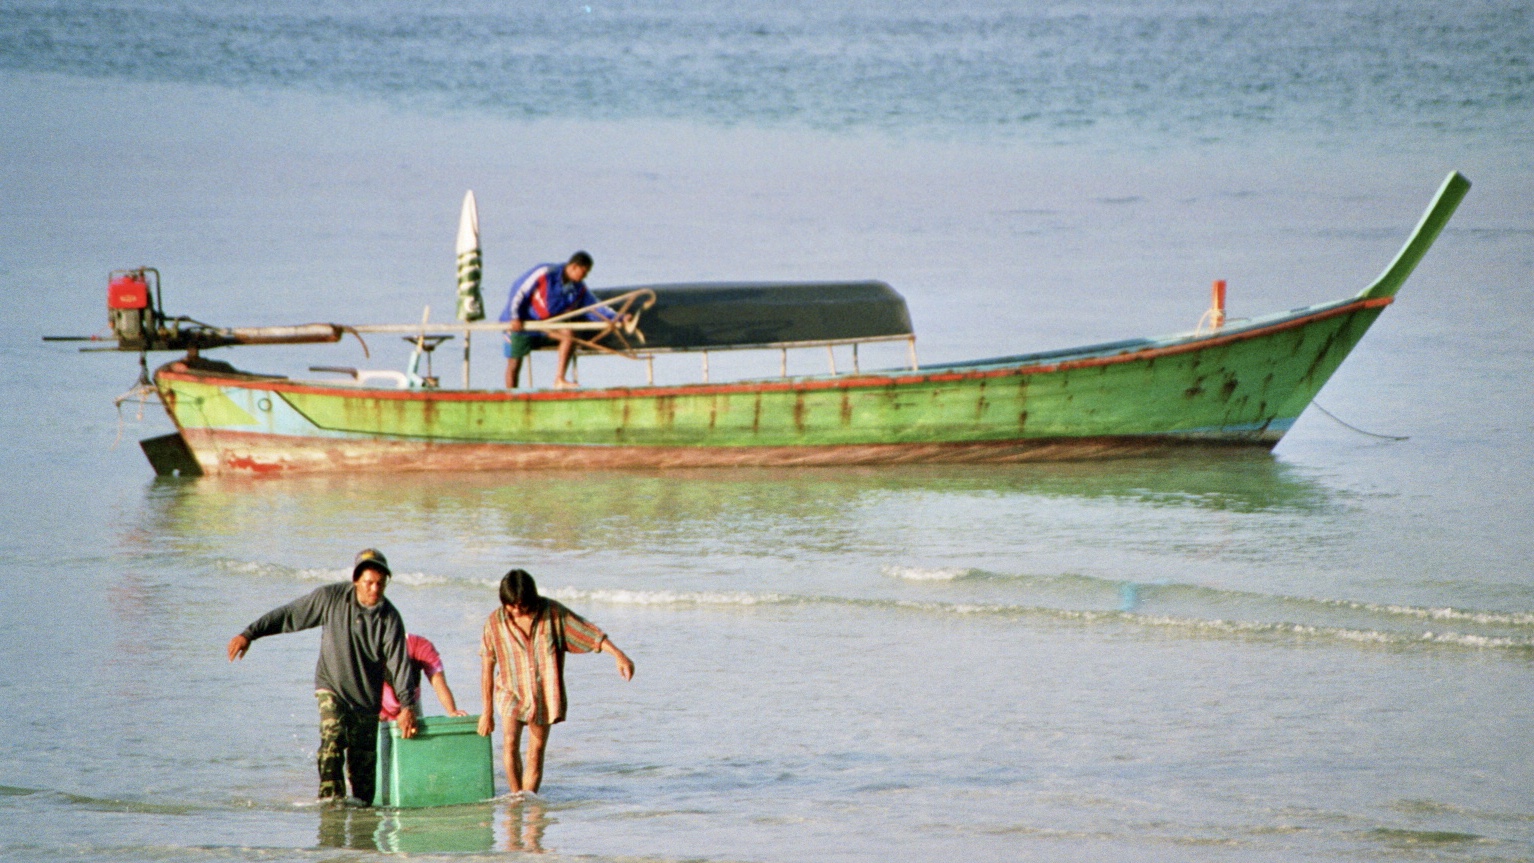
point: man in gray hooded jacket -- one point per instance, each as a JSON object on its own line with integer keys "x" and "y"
{"x": 362, "y": 644}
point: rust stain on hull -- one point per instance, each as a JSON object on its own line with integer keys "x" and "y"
{"x": 237, "y": 463}
{"x": 249, "y": 453}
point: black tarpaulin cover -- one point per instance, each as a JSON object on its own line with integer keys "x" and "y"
{"x": 735, "y": 314}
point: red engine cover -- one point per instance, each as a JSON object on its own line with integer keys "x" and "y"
{"x": 127, "y": 292}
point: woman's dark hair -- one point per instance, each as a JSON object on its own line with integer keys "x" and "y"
{"x": 518, "y": 590}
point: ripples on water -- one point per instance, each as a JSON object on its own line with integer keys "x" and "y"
{"x": 1192, "y": 69}
{"x": 1322, "y": 654}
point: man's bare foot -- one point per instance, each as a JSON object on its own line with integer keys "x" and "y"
{"x": 565, "y": 385}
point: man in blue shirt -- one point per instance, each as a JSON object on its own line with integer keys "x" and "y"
{"x": 541, "y": 293}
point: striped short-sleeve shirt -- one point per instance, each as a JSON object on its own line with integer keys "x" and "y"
{"x": 530, "y": 671}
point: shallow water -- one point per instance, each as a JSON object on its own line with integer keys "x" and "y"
{"x": 1319, "y": 653}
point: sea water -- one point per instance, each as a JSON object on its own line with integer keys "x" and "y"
{"x": 1324, "y": 652}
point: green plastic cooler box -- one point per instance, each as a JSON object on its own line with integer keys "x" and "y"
{"x": 446, "y": 763}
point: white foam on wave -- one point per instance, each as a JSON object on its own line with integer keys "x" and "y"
{"x": 1221, "y": 627}
{"x": 670, "y": 597}
{"x": 964, "y": 608}
{"x": 325, "y": 574}
{"x": 417, "y": 579}
{"x": 316, "y": 574}
{"x": 277, "y": 570}
{"x": 918, "y": 573}
{"x": 1490, "y": 618}
{"x": 250, "y": 567}
{"x": 1382, "y": 610}
{"x": 1237, "y": 628}
{"x": 1332, "y": 633}
{"x": 1194, "y": 625}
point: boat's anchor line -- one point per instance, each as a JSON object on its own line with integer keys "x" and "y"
{"x": 1347, "y": 425}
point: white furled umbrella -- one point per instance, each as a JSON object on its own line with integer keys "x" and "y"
{"x": 471, "y": 305}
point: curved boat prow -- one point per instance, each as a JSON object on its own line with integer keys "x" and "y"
{"x": 1449, "y": 195}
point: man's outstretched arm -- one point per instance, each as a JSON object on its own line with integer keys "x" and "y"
{"x": 306, "y": 612}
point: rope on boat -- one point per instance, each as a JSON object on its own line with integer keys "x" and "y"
{"x": 141, "y": 390}
{"x": 139, "y": 393}
{"x": 1356, "y": 428}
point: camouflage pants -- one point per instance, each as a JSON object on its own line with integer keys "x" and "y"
{"x": 350, "y": 740}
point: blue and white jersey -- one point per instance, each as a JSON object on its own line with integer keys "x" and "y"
{"x": 542, "y": 292}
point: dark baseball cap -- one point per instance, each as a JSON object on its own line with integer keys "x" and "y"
{"x": 371, "y": 558}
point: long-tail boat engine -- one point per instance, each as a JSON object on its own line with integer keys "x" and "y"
{"x": 132, "y": 311}
{"x": 137, "y": 321}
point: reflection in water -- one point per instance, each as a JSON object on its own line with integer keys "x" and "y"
{"x": 347, "y": 827}
{"x": 445, "y": 830}
{"x": 559, "y": 509}
{"x": 1202, "y": 543}
{"x": 526, "y": 821}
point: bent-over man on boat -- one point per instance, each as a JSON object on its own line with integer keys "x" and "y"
{"x": 362, "y": 644}
{"x": 547, "y": 291}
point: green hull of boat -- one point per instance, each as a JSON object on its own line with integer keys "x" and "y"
{"x": 1244, "y": 384}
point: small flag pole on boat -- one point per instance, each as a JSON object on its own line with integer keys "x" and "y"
{"x": 1215, "y": 317}
{"x": 471, "y": 305}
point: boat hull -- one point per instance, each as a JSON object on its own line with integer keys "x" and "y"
{"x": 1242, "y": 386}
{"x": 265, "y": 454}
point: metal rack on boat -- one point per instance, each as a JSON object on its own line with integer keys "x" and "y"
{"x": 702, "y": 318}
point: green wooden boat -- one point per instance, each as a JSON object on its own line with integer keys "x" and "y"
{"x": 1241, "y": 384}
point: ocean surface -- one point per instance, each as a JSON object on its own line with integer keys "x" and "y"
{"x": 1325, "y": 652}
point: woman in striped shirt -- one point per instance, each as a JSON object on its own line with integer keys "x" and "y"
{"x": 522, "y": 657}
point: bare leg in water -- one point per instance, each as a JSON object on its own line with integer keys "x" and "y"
{"x": 525, "y": 775}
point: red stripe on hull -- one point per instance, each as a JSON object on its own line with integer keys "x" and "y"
{"x": 173, "y": 371}
{"x": 244, "y": 452}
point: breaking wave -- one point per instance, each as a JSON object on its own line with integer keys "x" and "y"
{"x": 917, "y": 573}
{"x": 675, "y": 597}
{"x": 1189, "y": 609}
{"x": 1083, "y": 586}
{"x": 1189, "y": 625}
{"x": 326, "y": 575}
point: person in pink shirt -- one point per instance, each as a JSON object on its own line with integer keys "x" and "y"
{"x": 423, "y": 660}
